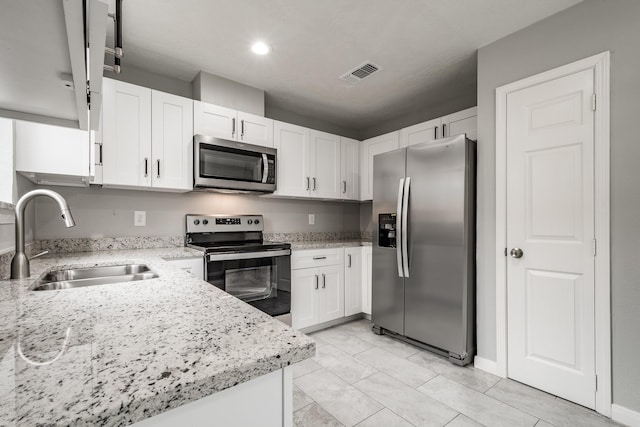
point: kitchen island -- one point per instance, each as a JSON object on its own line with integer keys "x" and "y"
{"x": 116, "y": 354}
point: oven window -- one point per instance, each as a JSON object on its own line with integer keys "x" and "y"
{"x": 225, "y": 163}
{"x": 251, "y": 283}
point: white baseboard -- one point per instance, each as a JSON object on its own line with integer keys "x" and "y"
{"x": 625, "y": 416}
{"x": 486, "y": 365}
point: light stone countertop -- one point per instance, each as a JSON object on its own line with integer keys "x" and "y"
{"x": 326, "y": 244}
{"x": 111, "y": 355}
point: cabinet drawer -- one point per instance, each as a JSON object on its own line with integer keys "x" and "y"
{"x": 306, "y": 258}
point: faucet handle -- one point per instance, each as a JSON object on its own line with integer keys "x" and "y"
{"x": 39, "y": 255}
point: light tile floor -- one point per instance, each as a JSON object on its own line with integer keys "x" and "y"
{"x": 361, "y": 379}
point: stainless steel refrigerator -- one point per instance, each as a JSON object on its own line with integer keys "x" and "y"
{"x": 424, "y": 246}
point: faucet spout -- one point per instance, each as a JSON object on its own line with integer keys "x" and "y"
{"x": 20, "y": 262}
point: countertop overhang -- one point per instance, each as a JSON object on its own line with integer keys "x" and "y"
{"x": 115, "y": 354}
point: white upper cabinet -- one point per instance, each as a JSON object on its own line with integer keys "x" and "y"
{"x": 53, "y": 155}
{"x": 221, "y": 122}
{"x": 464, "y": 121}
{"x": 349, "y": 169}
{"x": 147, "y": 138}
{"x": 368, "y": 149}
{"x": 324, "y": 165}
{"x": 422, "y": 132}
{"x": 171, "y": 141}
{"x": 293, "y": 145}
{"x": 126, "y": 150}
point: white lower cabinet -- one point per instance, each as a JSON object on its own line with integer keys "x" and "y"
{"x": 317, "y": 291}
{"x": 367, "y": 277}
{"x": 353, "y": 281}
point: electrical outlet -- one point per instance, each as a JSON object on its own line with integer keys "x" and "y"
{"x": 312, "y": 219}
{"x": 140, "y": 218}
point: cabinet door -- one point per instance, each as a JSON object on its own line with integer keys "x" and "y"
{"x": 422, "y": 132}
{"x": 325, "y": 164}
{"x": 171, "y": 141}
{"x": 352, "y": 281}
{"x": 349, "y": 169}
{"x": 255, "y": 129}
{"x": 464, "y": 121}
{"x": 305, "y": 284}
{"x": 367, "y": 268}
{"x": 371, "y": 147}
{"x": 213, "y": 120}
{"x": 292, "y": 143}
{"x": 331, "y": 301}
{"x": 126, "y": 146}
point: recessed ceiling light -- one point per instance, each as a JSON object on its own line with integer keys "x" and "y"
{"x": 260, "y": 48}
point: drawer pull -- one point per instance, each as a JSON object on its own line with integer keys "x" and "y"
{"x": 324, "y": 281}
{"x": 319, "y": 257}
{"x": 317, "y": 281}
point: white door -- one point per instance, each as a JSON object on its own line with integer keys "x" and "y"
{"x": 126, "y": 146}
{"x": 171, "y": 141}
{"x": 464, "y": 121}
{"x": 331, "y": 302}
{"x": 214, "y": 120}
{"x": 325, "y": 161}
{"x": 550, "y": 217}
{"x": 305, "y": 284}
{"x": 422, "y": 132}
{"x": 349, "y": 165}
{"x": 352, "y": 281}
{"x": 292, "y": 143}
{"x": 255, "y": 130}
{"x": 370, "y": 148}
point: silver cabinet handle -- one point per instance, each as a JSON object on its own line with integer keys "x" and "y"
{"x": 444, "y": 130}
{"x": 233, "y": 126}
{"x": 344, "y": 186}
{"x": 241, "y": 128}
{"x": 308, "y": 186}
{"x": 399, "y": 228}
{"x": 100, "y": 148}
{"x": 324, "y": 281}
{"x": 146, "y": 167}
{"x": 349, "y": 257}
{"x": 265, "y": 168}
{"x": 158, "y": 168}
{"x": 405, "y": 227}
{"x": 435, "y": 132}
{"x": 314, "y": 183}
{"x": 317, "y": 281}
{"x": 319, "y": 257}
{"x": 516, "y": 253}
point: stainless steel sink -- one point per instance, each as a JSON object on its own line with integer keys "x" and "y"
{"x": 80, "y": 277}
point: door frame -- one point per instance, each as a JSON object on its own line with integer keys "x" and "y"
{"x": 600, "y": 63}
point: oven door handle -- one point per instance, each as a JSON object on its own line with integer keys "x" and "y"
{"x": 249, "y": 255}
{"x": 265, "y": 168}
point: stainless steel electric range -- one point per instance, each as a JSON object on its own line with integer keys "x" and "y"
{"x": 239, "y": 261}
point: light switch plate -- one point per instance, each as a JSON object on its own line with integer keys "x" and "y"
{"x": 312, "y": 219}
{"x": 140, "y": 218}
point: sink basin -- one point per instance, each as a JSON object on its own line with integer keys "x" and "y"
{"x": 80, "y": 277}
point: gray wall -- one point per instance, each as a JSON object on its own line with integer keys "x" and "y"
{"x": 287, "y": 116}
{"x": 227, "y": 93}
{"x": 152, "y": 80}
{"x": 100, "y": 212}
{"x": 7, "y": 231}
{"x": 586, "y": 29}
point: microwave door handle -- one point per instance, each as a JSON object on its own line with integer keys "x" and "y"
{"x": 265, "y": 168}
{"x": 399, "y": 229}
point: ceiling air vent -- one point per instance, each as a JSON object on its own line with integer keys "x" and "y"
{"x": 360, "y": 72}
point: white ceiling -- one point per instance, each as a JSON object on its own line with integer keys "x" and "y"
{"x": 427, "y": 48}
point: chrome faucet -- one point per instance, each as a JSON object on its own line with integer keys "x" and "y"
{"x": 20, "y": 262}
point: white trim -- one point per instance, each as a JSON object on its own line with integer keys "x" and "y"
{"x": 485, "y": 365}
{"x": 625, "y": 416}
{"x": 600, "y": 64}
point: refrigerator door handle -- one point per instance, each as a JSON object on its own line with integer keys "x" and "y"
{"x": 405, "y": 226}
{"x": 399, "y": 229}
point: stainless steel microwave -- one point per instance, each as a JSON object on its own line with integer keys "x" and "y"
{"x": 231, "y": 166}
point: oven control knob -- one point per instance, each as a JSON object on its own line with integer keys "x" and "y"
{"x": 250, "y": 222}
{"x": 257, "y": 221}
{"x": 196, "y": 222}
{"x": 205, "y": 221}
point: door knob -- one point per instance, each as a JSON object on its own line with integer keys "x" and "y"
{"x": 516, "y": 253}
